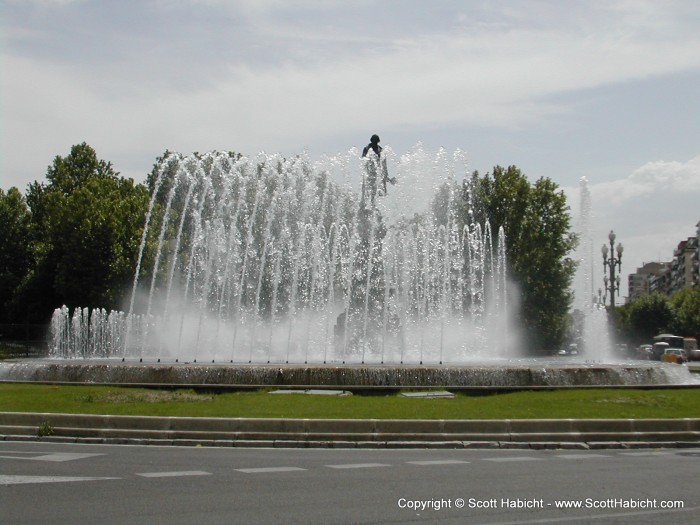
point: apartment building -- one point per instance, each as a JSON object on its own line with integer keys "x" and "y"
{"x": 638, "y": 283}
{"x": 668, "y": 277}
{"x": 661, "y": 282}
{"x": 697, "y": 254}
{"x": 683, "y": 265}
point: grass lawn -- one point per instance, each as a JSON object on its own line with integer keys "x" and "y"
{"x": 578, "y": 403}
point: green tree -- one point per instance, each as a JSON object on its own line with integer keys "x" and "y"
{"x": 622, "y": 324}
{"x": 86, "y": 225}
{"x": 69, "y": 173}
{"x": 536, "y": 221}
{"x": 648, "y": 316}
{"x": 15, "y": 254}
{"x": 686, "y": 312}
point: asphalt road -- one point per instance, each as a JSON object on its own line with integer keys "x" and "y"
{"x": 45, "y": 483}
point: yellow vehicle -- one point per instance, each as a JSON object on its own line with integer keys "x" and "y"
{"x": 674, "y": 355}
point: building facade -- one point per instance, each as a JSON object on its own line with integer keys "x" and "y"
{"x": 697, "y": 254}
{"x": 639, "y": 283}
{"x": 668, "y": 277}
{"x": 683, "y": 265}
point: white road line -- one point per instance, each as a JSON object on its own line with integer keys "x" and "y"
{"x": 55, "y": 457}
{"x": 19, "y": 480}
{"x": 65, "y": 456}
{"x": 173, "y": 474}
{"x": 581, "y": 456}
{"x": 512, "y": 458}
{"x": 644, "y": 453}
{"x": 358, "y": 465}
{"x": 439, "y": 462}
{"x": 268, "y": 469}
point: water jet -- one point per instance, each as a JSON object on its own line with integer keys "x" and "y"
{"x": 272, "y": 260}
{"x": 279, "y": 271}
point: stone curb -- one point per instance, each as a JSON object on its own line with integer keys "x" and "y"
{"x": 351, "y": 433}
{"x": 535, "y": 445}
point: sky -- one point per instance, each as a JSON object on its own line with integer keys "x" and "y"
{"x": 606, "y": 90}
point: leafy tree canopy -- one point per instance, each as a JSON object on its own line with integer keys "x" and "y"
{"x": 536, "y": 221}
{"x": 686, "y": 312}
{"x": 648, "y": 316}
{"x": 15, "y": 254}
{"x": 86, "y": 227}
{"x": 66, "y": 174}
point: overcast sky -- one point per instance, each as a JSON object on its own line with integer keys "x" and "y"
{"x": 604, "y": 89}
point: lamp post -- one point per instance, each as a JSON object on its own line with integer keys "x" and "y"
{"x": 612, "y": 283}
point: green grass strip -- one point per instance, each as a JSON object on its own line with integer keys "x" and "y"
{"x": 578, "y": 403}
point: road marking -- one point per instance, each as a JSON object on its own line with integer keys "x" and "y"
{"x": 438, "y": 462}
{"x": 54, "y": 457}
{"x": 19, "y": 480}
{"x": 513, "y": 458}
{"x": 268, "y": 469}
{"x": 173, "y": 474}
{"x": 644, "y": 453}
{"x": 581, "y": 456}
{"x": 358, "y": 465}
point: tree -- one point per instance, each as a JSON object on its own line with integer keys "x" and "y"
{"x": 86, "y": 227}
{"x": 686, "y": 312}
{"x": 69, "y": 173}
{"x": 15, "y": 254}
{"x": 536, "y": 221}
{"x": 648, "y": 316}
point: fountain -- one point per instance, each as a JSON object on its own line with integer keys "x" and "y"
{"x": 593, "y": 338}
{"x": 268, "y": 260}
{"x": 268, "y": 270}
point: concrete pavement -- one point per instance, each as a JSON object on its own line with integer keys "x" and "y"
{"x": 351, "y": 433}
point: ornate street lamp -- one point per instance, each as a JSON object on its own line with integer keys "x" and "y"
{"x": 612, "y": 283}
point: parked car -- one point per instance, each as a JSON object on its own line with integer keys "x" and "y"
{"x": 572, "y": 349}
{"x": 644, "y": 352}
{"x": 658, "y": 350}
{"x": 622, "y": 350}
{"x": 690, "y": 345}
{"x": 675, "y": 355}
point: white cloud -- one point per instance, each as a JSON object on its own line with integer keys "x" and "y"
{"x": 45, "y": 3}
{"x": 651, "y": 211}
{"x": 673, "y": 175}
{"x": 135, "y": 78}
{"x": 657, "y": 179}
{"x": 277, "y": 85}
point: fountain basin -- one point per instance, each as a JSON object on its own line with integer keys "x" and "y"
{"x": 522, "y": 373}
